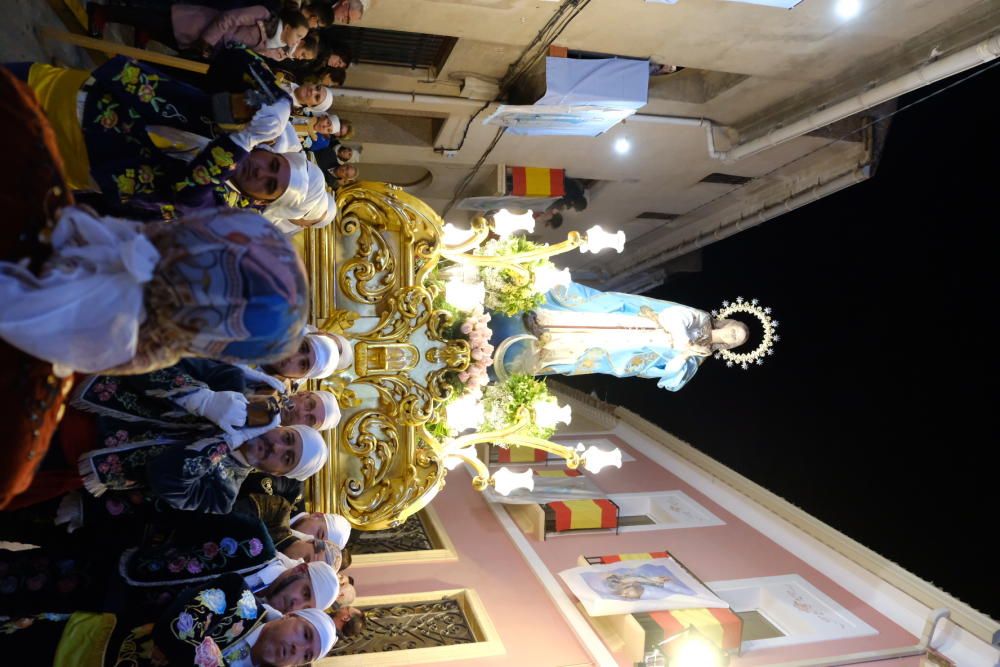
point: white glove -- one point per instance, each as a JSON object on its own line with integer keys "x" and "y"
{"x": 228, "y": 409}
{"x": 239, "y": 436}
{"x": 266, "y": 125}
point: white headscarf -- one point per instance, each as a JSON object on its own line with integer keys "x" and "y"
{"x": 324, "y": 626}
{"x": 338, "y": 529}
{"x": 331, "y": 410}
{"x": 315, "y": 202}
{"x": 329, "y": 215}
{"x": 334, "y": 121}
{"x": 288, "y": 204}
{"x": 326, "y": 355}
{"x": 314, "y": 453}
{"x": 288, "y": 141}
{"x": 325, "y": 585}
{"x": 323, "y": 106}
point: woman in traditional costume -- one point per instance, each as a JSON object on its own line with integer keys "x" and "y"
{"x": 204, "y": 475}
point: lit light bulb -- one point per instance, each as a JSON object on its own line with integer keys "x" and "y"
{"x": 548, "y": 276}
{"x": 505, "y": 481}
{"x": 622, "y": 146}
{"x": 596, "y": 459}
{"x": 464, "y": 413}
{"x": 597, "y": 240}
{"x": 455, "y": 236}
{"x": 694, "y": 650}
{"x": 463, "y": 295}
{"x": 550, "y": 413}
{"x": 847, "y": 9}
{"x": 506, "y": 223}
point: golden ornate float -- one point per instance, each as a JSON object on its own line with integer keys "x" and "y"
{"x": 371, "y": 274}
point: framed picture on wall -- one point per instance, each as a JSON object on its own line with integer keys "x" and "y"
{"x": 638, "y": 586}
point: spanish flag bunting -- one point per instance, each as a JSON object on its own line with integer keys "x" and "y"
{"x": 538, "y": 182}
{"x": 583, "y": 514}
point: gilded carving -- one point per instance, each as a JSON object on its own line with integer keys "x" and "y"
{"x": 384, "y": 464}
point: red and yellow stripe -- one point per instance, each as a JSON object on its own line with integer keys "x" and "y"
{"x": 722, "y": 626}
{"x": 583, "y": 514}
{"x": 557, "y": 473}
{"x": 519, "y": 454}
{"x": 538, "y": 182}
{"x": 649, "y": 555}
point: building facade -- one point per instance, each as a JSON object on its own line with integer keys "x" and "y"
{"x": 483, "y": 588}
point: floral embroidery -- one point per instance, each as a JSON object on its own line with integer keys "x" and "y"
{"x": 214, "y": 599}
{"x": 9, "y": 626}
{"x": 129, "y": 75}
{"x": 255, "y": 547}
{"x": 235, "y": 631}
{"x": 222, "y": 157}
{"x": 228, "y": 546}
{"x": 210, "y": 549}
{"x": 640, "y": 361}
{"x": 208, "y": 654}
{"x": 105, "y": 390}
{"x": 185, "y": 625}
{"x": 246, "y": 608}
{"x": 125, "y": 183}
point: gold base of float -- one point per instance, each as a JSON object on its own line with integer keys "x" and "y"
{"x": 368, "y": 273}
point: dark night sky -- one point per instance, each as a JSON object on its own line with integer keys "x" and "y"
{"x": 876, "y": 413}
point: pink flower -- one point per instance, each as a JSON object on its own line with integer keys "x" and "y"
{"x": 463, "y": 377}
{"x": 176, "y": 565}
{"x": 113, "y": 460}
{"x": 104, "y": 467}
{"x": 466, "y": 327}
{"x": 115, "y": 506}
{"x": 194, "y": 567}
{"x": 208, "y": 654}
{"x": 210, "y": 549}
{"x": 255, "y": 547}
{"x": 104, "y": 396}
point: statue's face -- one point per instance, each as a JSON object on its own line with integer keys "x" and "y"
{"x": 732, "y": 334}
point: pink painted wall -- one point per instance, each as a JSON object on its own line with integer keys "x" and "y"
{"x": 732, "y": 551}
{"x": 532, "y": 629}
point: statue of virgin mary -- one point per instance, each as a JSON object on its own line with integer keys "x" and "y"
{"x": 580, "y": 330}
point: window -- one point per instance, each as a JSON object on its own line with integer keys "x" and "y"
{"x": 787, "y": 610}
{"x": 420, "y": 539}
{"x": 418, "y": 628}
{"x": 661, "y": 511}
{"x": 726, "y": 179}
{"x": 391, "y": 47}
{"x": 657, "y": 215}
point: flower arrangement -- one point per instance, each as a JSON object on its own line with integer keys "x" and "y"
{"x": 502, "y": 402}
{"x": 503, "y": 293}
{"x": 478, "y": 332}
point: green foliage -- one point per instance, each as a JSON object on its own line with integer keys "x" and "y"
{"x": 503, "y": 294}
{"x": 501, "y": 403}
